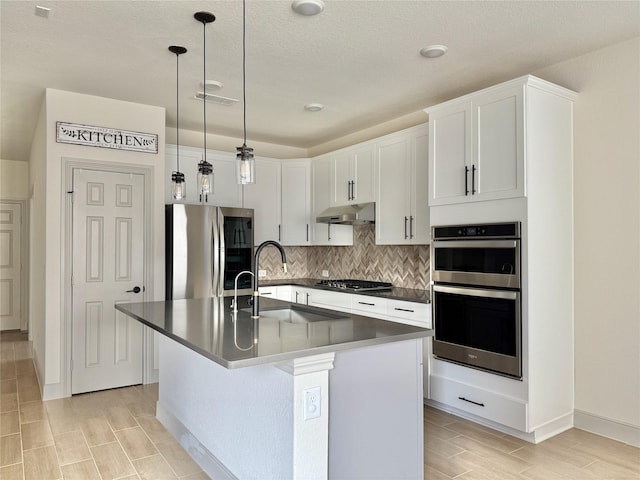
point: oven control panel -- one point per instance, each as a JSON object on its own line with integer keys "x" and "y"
{"x": 489, "y": 230}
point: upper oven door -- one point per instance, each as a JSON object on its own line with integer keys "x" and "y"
{"x": 494, "y": 263}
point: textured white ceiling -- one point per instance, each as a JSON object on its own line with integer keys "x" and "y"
{"x": 358, "y": 58}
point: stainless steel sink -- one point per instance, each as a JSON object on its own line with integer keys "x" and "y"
{"x": 296, "y": 314}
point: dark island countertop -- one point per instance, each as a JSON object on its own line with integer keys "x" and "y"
{"x": 283, "y": 332}
{"x": 396, "y": 293}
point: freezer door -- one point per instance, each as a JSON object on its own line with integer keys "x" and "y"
{"x": 189, "y": 251}
{"x": 236, "y": 249}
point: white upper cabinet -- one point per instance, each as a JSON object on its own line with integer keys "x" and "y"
{"x": 476, "y": 150}
{"x": 226, "y": 191}
{"x": 321, "y": 188}
{"x": 353, "y": 175}
{"x": 402, "y": 213}
{"x": 264, "y": 197}
{"x": 295, "y": 228}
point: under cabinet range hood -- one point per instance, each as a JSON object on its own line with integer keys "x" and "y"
{"x": 348, "y": 214}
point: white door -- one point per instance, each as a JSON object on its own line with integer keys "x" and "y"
{"x": 108, "y": 260}
{"x": 10, "y": 266}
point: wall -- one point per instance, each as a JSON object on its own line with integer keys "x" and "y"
{"x": 14, "y": 180}
{"x": 404, "y": 266}
{"x": 607, "y": 232}
{"x": 48, "y": 206}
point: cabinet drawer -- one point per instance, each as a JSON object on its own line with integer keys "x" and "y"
{"x": 370, "y": 306}
{"x": 483, "y": 403}
{"x": 411, "y": 313}
{"x": 331, "y": 300}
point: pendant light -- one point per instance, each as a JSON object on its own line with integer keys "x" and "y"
{"x": 205, "y": 169}
{"x": 177, "y": 177}
{"x": 245, "y": 163}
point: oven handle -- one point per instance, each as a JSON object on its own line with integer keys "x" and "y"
{"x": 476, "y": 244}
{"x": 477, "y": 292}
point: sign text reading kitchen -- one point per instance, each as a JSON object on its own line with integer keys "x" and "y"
{"x": 106, "y": 137}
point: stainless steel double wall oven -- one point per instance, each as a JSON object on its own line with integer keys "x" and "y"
{"x": 476, "y": 296}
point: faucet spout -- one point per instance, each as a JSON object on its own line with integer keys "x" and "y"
{"x": 255, "y": 311}
{"x": 235, "y": 291}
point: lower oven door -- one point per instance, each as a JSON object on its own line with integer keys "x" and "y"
{"x": 478, "y": 327}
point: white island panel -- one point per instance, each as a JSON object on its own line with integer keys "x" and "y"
{"x": 243, "y": 417}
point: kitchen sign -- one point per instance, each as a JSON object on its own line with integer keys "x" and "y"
{"x": 106, "y": 137}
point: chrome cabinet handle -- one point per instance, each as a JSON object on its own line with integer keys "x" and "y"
{"x": 405, "y": 228}
{"x": 279, "y": 233}
{"x": 135, "y": 289}
{"x": 307, "y": 232}
{"x": 404, "y": 310}
{"x": 349, "y": 190}
{"x": 411, "y": 227}
{"x": 296, "y": 297}
{"x": 369, "y": 304}
{"x": 328, "y": 231}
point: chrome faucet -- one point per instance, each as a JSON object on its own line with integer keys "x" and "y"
{"x": 255, "y": 311}
{"x": 235, "y": 292}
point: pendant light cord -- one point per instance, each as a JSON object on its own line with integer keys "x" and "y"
{"x": 177, "y": 117}
{"x": 244, "y": 71}
{"x": 204, "y": 86}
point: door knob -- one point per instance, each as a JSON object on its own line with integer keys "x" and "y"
{"x": 135, "y": 289}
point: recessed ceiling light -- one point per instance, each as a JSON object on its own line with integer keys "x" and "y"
{"x": 42, "y": 11}
{"x": 212, "y": 85}
{"x": 313, "y": 107}
{"x": 308, "y": 7}
{"x": 433, "y": 51}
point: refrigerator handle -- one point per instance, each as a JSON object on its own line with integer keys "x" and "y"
{"x": 221, "y": 255}
{"x": 215, "y": 253}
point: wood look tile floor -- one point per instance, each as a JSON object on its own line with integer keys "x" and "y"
{"x": 105, "y": 435}
{"x": 114, "y": 435}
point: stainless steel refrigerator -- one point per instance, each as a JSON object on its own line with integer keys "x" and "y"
{"x": 206, "y": 247}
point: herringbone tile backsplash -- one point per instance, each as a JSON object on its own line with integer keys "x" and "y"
{"x": 404, "y": 266}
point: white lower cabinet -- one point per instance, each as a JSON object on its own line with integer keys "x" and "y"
{"x": 301, "y": 295}
{"x": 279, "y": 292}
{"x": 482, "y": 403}
{"x": 411, "y": 313}
{"x": 331, "y": 300}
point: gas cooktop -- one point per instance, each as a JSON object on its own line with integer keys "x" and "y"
{"x": 355, "y": 285}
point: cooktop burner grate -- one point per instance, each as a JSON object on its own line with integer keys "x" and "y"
{"x": 360, "y": 285}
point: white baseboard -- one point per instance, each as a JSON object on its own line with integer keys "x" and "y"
{"x": 198, "y": 452}
{"x": 622, "y": 432}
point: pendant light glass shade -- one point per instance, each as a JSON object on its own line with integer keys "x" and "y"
{"x": 178, "y": 185}
{"x": 205, "y": 169}
{"x": 245, "y": 163}
{"x": 205, "y": 180}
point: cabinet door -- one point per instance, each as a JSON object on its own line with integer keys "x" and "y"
{"x": 450, "y": 154}
{"x": 498, "y": 153}
{"x": 264, "y": 197}
{"x": 393, "y": 202}
{"x": 342, "y": 177}
{"x": 301, "y": 295}
{"x": 363, "y": 174}
{"x": 419, "y": 224}
{"x": 296, "y": 197}
{"x": 321, "y": 183}
{"x": 353, "y": 175}
{"x": 226, "y": 191}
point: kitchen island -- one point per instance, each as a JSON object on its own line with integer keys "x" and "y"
{"x": 301, "y": 392}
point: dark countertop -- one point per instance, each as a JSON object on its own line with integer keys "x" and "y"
{"x": 396, "y": 293}
{"x": 206, "y": 326}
